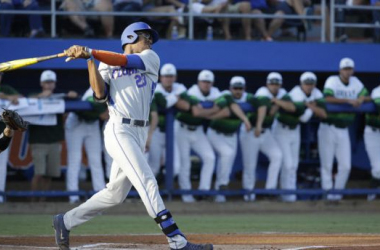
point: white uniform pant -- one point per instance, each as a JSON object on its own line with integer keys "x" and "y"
{"x": 197, "y": 141}
{"x": 225, "y": 148}
{"x": 157, "y": 150}
{"x": 250, "y": 147}
{"x": 372, "y": 145}
{"x": 289, "y": 141}
{"x": 333, "y": 141}
{"x": 126, "y": 145}
{"x": 107, "y": 157}
{"x": 4, "y": 156}
{"x": 87, "y": 134}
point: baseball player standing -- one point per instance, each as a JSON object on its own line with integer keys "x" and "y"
{"x": 261, "y": 139}
{"x": 190, "y": 134}
{"x": 333, "y": 135}
{"x": 372, "y": 141}
{"x": 166, "y": 96}
{"x": 222, "y": 132}
{"x": 82, "y": 128}
{"x": 287, "y": 131}
{"x": 127, "y": 83}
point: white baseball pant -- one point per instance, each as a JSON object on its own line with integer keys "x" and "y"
{"x": 4, "y": 156}
{"x": 289, "y": 141}
{"x": 157, "y": 150}
{"x": 126, "y": 145}
{"x": 333, "y": 141}
{"x": 372, "y": 145}
{"x": 250, "y": 147}
{"x": 87, "y": 134}
{"x": 197, "y": 141}
{"x": 107, "y": 157}
{"x": 225, "y": 148}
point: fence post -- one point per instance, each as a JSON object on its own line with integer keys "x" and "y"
{"x": 323, "y": 22}
{"x": 332, "y": 21}
{"x": 169, "y": 162}
{"x": 53, "y": 20}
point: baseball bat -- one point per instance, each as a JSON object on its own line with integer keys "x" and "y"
{"x": 16, "y": 64}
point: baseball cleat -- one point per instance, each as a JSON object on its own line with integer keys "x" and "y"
{"x": 61, "y": 233}
{"x": 192, "y": 246}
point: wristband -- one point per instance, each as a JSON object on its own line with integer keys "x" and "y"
{"x": 90, "y": 52}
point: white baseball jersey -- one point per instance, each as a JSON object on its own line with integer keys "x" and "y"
{"x": 264, "y": 91}
{"x": 171, "y": 97}
{"x": 343, "y": 91}
{"x": 131, "y": 88}
{"x": 195, "y": 91}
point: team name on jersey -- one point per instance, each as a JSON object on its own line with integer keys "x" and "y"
{"x": 119, "y": 72}
{"x": 350, "y": 94}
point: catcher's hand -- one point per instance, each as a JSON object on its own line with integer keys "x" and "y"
{"x": 13, "y": 120}
{"x": 77, "y": 51}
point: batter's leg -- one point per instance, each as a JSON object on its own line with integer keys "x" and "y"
{"x": 155, "y": 151}
{"x": 250, "y": 146}
{"x": 202, "y": 147}
{"x": 343, "y": 156}
{"x": 271, "y": 149}
{"x": 74, "y": 140}
{"x": 92, "y": 143}
{"x": 326, "y": 147}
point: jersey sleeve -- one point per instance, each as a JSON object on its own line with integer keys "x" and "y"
{"x": 160, "y": 100}
{"x": 363, "y": 92}
{"x": 221, "y": 102}
{"x": 8, "y": 90}
{"x": 376, "y": 99}
{"x": 153, "y": 105}
{"x": 151, "y": 61}
{"x": 328, "y": 89}
{"x": 104, "y": 71}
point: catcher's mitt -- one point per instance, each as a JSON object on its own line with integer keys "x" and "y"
{"x": 13, "y": 120}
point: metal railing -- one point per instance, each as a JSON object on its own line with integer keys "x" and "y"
{"x": 190, "y": 15}
{"x": 334, "y": 24}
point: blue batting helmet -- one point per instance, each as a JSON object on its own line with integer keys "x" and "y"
{"x": 129, "y": 34}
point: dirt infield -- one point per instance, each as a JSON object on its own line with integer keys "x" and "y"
{"x": 221, "y": 241}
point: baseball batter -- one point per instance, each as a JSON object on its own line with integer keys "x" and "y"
{"x": 333, "y": 136}
{"x": 261, "y": 139}
{"x": 372, "y": 141}
{"x": 190, "y": 134}
{"x": 127, "y": 83}
{"x": 287, "y": 131}
{"x": 166, "y": 96}
{"x": 82, "y": 128}
{"x": 222, "y": 132}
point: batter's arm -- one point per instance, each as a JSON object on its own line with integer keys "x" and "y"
{"x": 96, "y": 81}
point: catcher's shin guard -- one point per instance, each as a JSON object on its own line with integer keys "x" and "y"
{"x": 167, "y": 224}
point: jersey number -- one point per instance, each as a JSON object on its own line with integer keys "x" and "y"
{"x": 140, "y": 81}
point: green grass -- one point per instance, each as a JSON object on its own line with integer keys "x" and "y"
{"x": 253, "y": 223}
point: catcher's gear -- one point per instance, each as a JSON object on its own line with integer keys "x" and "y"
{"x": 13, "y": 120}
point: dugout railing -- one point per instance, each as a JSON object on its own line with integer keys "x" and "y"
{"x": 53, "y": 13}
{"x": 169, "y": 189}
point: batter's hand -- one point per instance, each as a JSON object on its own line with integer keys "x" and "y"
{"x": 77, "y": 51}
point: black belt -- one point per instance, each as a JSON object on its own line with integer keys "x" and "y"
{"x": 137, "y": 123}
{"x": 222, "y": 133}
{"x": 287, "y": 126}
{"x": 374, "y": 129}
{"x": 188, "y": 127}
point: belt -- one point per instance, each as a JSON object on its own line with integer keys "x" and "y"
{"x": 287, "y": 126}
{"x": 188, "y": 127}
{"x": 375, "y": 129}
{"x": 226, "y": 134}
{"x": 337, "y": 126}
{"x": 133, "y": 122}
